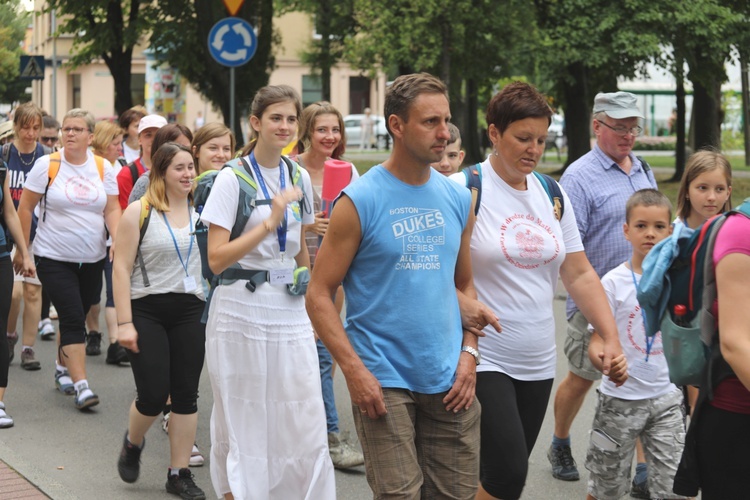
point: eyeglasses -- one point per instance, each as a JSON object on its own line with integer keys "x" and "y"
{"x": 73, "y": 130}
{"x": 48, "y": 139}
{"x": 623, "y": 131}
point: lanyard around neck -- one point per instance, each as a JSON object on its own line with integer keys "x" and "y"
{"x": 174, "y": 240}
{"x": 649, "y": 340}
{"x": 281, "y": 230}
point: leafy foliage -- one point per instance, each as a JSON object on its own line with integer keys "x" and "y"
{"x": 12, "y": 30}
{"x": 180, "y": 37}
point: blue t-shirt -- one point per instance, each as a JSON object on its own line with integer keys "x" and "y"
{"x": 402, "y": 314}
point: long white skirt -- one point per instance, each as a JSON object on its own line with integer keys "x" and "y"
{"x": 268, "y": 427}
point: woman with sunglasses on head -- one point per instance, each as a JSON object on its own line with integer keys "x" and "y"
{"x": 78, "y": 206}
{"x": 323, "y": 138}
{"x": 107, "y": 143}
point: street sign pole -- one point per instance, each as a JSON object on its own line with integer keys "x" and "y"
{"x": 232, "y": 42}
{"x": 231, "y": 97}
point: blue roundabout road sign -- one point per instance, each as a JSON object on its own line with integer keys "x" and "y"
{"x": 232, "y": 42}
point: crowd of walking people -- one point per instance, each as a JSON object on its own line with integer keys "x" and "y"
{"x": 447, "y": 346}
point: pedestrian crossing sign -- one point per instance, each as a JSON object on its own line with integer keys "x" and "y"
{"x": 32, "y": 68}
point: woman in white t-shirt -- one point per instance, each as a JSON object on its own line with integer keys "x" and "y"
{"x": 77, "y": 207}
{"x": 518, "y": 250}
{"x": 268, "y": 427}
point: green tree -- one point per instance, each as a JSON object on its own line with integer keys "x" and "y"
{"x": 13, "y": 24}
{"x": 467, "y": 43}
{"x": 180, "y": 38}
{"x": 334, "y": 23}
{"x": 106, "y": 29}
{"x": 586, "y": 46}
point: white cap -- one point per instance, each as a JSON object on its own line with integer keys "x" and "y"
{"x": 151, "y": 121}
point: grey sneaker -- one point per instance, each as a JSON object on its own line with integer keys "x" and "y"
{"x": 12, "y": 340}
{"x": 85, "y": 398}
{"x": 46, "y": 329}
{"x": 342, "y": 454}
{"x": 28, "y": 360}
{"x": 129, "y": 463}
{"x": 563, "y": 464}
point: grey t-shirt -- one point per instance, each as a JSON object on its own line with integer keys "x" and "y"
{"x": 139, "y": 188}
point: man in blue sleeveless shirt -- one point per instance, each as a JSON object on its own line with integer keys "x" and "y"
{"x": 399, "y": 240}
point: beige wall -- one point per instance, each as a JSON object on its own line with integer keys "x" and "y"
{"x": 97, "y": 87}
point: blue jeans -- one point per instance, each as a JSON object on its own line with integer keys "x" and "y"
{"x": 325, "y": 362}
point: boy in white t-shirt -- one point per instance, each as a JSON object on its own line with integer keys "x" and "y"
{"x": 648, "y": 406}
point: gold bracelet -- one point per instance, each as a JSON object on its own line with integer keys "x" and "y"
{"x": 267, "y": 226}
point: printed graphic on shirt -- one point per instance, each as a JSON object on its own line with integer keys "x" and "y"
{"x": 637, "y": 335}
{"x": 422, "y": 232}
{"x": 528, "y": 242}
{"x": 16, "y": 180}
{"x": 81, "y": 191}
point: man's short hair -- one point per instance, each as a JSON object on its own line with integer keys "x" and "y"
{"x": 404, "y": 91}
{"x": 454, "y": 132}
{"x": 647, "y": 198}
{"x": 48, "y": 121}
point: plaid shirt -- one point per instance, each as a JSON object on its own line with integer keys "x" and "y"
{"x": 598, "y": 190}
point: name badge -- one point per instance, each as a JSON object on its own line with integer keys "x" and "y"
{"x": 648, "y": 372}
{"x": 190, "y": 284}
{"x": 281, "y": 276}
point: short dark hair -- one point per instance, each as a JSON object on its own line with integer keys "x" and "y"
{"x": 404, "y": 91}
{"x": 517, "y": 101}
{"x": 647, "y": 198}
{"x": 131, "y": 115}
{"x": 48, "y": 121}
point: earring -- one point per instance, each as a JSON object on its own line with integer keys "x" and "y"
{"x": 494, "y": 151}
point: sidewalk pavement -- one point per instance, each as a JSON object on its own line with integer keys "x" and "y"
{"x": 14, "y": 486}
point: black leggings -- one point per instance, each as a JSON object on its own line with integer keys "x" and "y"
{"x": 72, "y": 288}
{"x": 512, "y": 414}
{"x": 6, "y": 290}
{"x": 172, "y": 344}
{"x": 723, "y": 439}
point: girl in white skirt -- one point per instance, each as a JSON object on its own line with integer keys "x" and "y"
{"x": 268, "y": 427}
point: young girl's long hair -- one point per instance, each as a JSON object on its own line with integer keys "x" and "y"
{"x": 307, "y": 126}
{"x": 156, "y": 194}
{"x": 265, "y": 97}
{"x": 701, "y": 162}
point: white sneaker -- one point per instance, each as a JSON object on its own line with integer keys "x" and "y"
{"x": 5, "y": 419}
{"x": 196, "y": 458}
{"x": 165, "y": 422}
{"x": 46, "y": 329}
{"x": 52, "y": 312}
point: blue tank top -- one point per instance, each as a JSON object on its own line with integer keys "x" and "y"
{"x": 402, "y": 314}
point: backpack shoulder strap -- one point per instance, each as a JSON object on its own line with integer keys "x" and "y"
{"x": 473, "y": 176}
{"x": 144, "y": 218}
{"x": 143, "y": 221}
{"x": 6, "y": 152}
{"x": 54, "y": 168}
{"x": 3, "y": 175}
{"x": 296, "y": 175}
{"x": 99, "y": 166}
{"x": 554, "y": 193}
{"x": 133, "y": 167}
{"x": 644, "y": 164}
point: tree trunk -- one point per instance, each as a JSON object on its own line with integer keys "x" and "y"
{"x": 325, "y": 15}
{"x": 119, "y": 65}
{"x": 472, "y": 143}
{"x": 745, "y": 104}
{"x": 706, "y": 107}
{"x": 577, "y": 112}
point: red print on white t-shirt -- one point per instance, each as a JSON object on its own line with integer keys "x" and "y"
{"x": 530, "y": 244}
{"x": 81, "y": 191}
{"x": 522, "y": 240}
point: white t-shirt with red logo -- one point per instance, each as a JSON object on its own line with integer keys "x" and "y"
{"x": 517, "y": 248}
{"x": 71, "y": 220}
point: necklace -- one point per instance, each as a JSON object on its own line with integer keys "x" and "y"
{"x": 33, "y": 157}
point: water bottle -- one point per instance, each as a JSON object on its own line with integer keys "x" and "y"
{"x": 680, "y": 316}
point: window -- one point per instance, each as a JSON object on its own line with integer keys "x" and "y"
{"x": 312, "y": 89}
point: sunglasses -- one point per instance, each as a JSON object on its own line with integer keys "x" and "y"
{"x": 48, "y": 139}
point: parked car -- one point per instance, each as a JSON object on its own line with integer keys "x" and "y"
{"x": 353, "y": 126}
